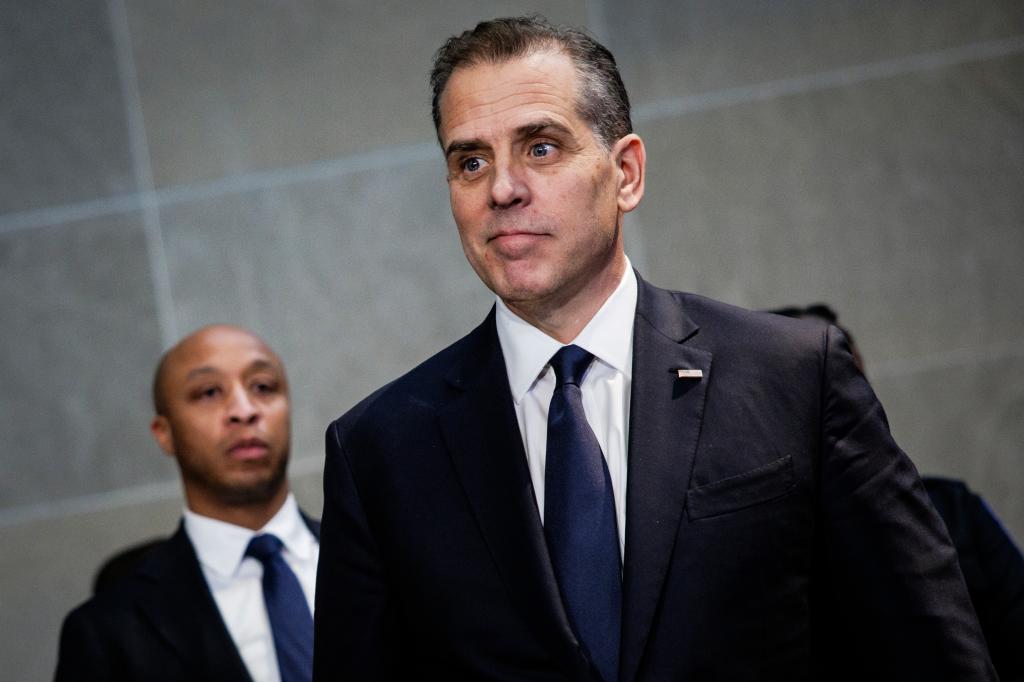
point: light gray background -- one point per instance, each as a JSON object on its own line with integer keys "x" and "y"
{"x": 167, "y": 164}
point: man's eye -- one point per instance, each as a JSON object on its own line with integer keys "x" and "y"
{"x": 208, "y": 392}
{"x": 540, "y": 150}
{"x": 472, "y": 164}
{"x": 264, "y": 387}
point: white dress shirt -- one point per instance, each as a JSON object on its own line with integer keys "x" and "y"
{"x": 605, "y": 387}
{"x": 236, "y": 580}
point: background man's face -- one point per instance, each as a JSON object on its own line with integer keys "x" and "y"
{"x": 533, "y": 191}
{"x": 227, "y": 420}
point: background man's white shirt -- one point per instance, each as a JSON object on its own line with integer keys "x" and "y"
{"x": 236, "y": 580}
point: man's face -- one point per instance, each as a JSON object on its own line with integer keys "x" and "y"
{"x": 227, "y": 418}
{"x": 534, "y": 193}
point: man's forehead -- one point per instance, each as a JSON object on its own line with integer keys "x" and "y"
{"x": 221, "y": 349}
{"x": 544, "y": 80}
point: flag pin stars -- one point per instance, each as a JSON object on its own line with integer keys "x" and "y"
{"x": 690, "y": 373}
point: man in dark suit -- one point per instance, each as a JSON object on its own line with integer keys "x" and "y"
{"x": 991, "y": 562}
{"x": 228, "y": 596}
{"x": 476, "y": 509}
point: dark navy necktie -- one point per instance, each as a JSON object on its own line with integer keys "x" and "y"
{"x": 579, "y": 517}
{"x": 290, "y": 620}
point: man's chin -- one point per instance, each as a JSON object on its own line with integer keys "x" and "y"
{"x": 249, "y": 493}
{"x": 523, "y": 291}
{"x": 252, "y": 486}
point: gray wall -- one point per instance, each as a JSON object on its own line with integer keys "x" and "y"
{"x": 170, "y": 164}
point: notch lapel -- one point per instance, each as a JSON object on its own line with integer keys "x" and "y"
{"x": 181, "y": 609}
{"x": 486, "y": 449}
{"x": 666, "y": 412}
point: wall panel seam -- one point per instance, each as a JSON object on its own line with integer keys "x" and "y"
{"x": 143, "y": 169}
{"x": 149, "y": 199}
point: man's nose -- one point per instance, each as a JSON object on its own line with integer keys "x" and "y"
{"x": 242, "y": 409}
{"x": 508, "y": 185}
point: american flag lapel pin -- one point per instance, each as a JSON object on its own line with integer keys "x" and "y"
{"x": 683, "y": 373}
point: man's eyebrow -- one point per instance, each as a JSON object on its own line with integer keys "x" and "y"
{"x": 543, "y": 126}
{"x": 261, "y": 364}
{"x": 200, "y": 371}
{"x": 463, "y": 146}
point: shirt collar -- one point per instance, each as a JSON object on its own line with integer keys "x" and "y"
{"x": 221, "y": 546}
{"x": 608, "y": 336}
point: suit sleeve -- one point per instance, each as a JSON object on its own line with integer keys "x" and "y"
{"x": 81, "y": 655}
{"x": 999, "y": 593}
{"x": 355, "y": 633}
{"x": 893, "y": 578}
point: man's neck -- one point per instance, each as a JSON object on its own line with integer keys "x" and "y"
{"x": 252, "y": 516}
{"x": 563, "y": 318}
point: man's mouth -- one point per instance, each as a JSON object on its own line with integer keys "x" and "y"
{"x": 512, "y": 233}
{"x": 515, "y": 242}
{"x": 248, "y": 448}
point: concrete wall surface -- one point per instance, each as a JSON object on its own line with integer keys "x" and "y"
{"x": 272, "y": 164}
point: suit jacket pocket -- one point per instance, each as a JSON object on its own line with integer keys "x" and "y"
{"x": 762, "y": 484}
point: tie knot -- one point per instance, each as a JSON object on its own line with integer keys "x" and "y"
{"x": 263, "y": 547}
{"x": 570, "y": 363}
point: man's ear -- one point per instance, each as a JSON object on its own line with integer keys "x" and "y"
{"x": 630, "y": 157}
{"x": 161, "y": 430}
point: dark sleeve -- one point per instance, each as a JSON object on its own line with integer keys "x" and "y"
{"x": 81, "y": 655}
{"x": 897, "y": 599}
{"x": 994, "y": 570}
{"x": 1003, "y": 617}
{"x": 355, "y": 636}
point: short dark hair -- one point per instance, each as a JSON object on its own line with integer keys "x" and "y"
{"x": 820, "y": 310}
{"x": 823, "y": 311}
{"x": 601, "y": 101}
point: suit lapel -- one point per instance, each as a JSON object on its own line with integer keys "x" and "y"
{"x": 486, "y": 448}
{"x": 181, "y": 609}
{"x": 665, "y": 421}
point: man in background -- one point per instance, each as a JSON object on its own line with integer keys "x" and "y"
{"x": 992, "y": 563}
{"x": 229, "y": 596}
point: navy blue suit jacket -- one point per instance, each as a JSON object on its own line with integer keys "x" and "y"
{"x": 158, "y": 623}
{"x": 774, "y": 530}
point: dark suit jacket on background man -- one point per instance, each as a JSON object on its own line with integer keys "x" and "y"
{"x": 159, "y": 622}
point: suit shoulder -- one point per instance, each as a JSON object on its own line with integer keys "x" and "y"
{"x": 110, "y": 605}
{"x": 99, "y": 612}
{"x": 751, "y": 330}
{"x": 423, "y": 387}
{"x": 753, "y": 348}
{"x": 120, "y": 594}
